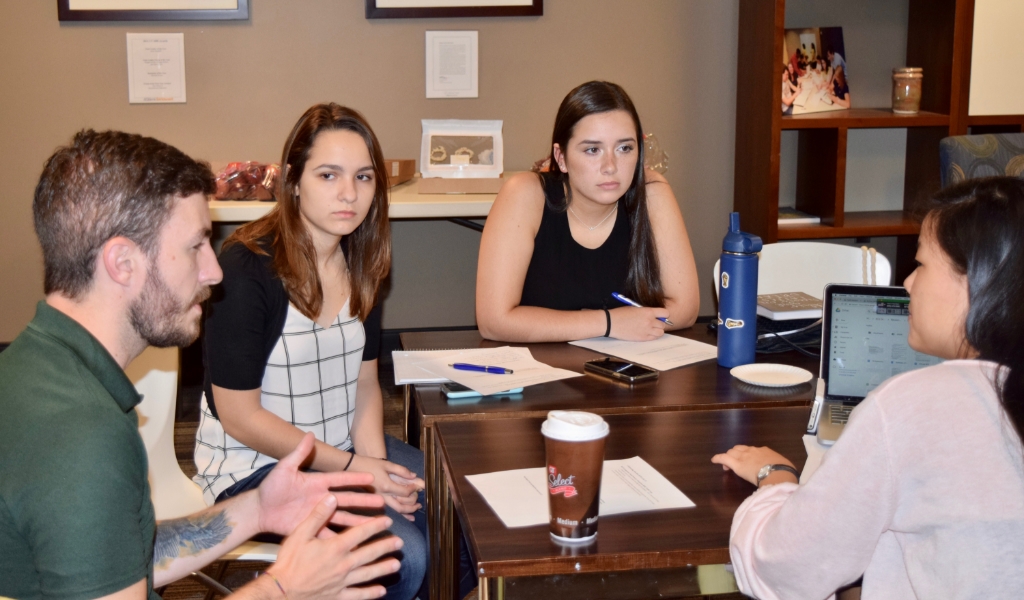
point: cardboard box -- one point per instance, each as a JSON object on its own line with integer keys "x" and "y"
{"x": 399, "y": 170}
{"x": 448, "y": 185}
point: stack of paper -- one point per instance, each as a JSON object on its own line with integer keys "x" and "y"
{"x": 408, "y": 369}
{"x": 663, "y": 354}
{"x": 425, "y": 367}
{"x": 520, "y": 499}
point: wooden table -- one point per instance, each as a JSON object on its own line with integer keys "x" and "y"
{"x": 678, "y": 444}
{"x": 701, "y": 386}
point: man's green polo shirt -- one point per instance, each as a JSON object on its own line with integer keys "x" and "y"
{"x": 76, "y": 520}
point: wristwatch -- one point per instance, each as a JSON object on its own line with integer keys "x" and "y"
{"x": 767, "y": 469}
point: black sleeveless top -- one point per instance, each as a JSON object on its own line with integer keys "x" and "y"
{"x": 564, "y": 275}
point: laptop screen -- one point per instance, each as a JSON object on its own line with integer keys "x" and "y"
{"x": 868, "y": 343}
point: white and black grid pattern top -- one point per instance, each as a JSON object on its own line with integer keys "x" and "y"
{"x": 309, "y": 381}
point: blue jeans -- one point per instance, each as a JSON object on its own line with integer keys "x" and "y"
{"x": 405, "y": 584}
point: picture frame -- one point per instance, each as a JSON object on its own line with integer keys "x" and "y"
{"x": 462, "y": 149}
{"x": 436, "y": 9}
{"x": 813, "y": 71}
{"x": 137, "y": 10}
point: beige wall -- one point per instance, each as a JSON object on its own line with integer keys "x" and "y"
{"x": 997, "y": 52}
{"x": 248, "y": 81}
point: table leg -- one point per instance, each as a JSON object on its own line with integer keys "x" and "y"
{"x": 484, "y": 590}
{"x": 407, "y": 397}
{"x": 440, "y": 514}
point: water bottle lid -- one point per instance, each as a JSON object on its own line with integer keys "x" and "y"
{"x": 737, "y": 241}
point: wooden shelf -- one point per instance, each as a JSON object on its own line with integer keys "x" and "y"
{"x": 856, "y": 224}
{"x": 985, "y": 120}
{"x": 863, "y": 118}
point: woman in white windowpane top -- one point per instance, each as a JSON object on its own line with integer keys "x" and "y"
{"x": 923, "y": 495}
{"x": 292, "y": 334}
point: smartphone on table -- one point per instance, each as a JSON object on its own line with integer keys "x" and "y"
{"x": 620, "y": 370}
{"x": 457, "y": 390}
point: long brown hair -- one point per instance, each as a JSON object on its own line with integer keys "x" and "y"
{"x": 368, "y": 248}
{"x": 644, "y": 280}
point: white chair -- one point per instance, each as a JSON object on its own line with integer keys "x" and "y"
{"x": 155, "y": 375}
{"x": 809, "y": 266}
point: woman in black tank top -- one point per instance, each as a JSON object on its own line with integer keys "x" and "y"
{"x": 556, "y": 246}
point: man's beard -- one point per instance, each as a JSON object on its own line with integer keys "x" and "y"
{"x": 160, "y": 318}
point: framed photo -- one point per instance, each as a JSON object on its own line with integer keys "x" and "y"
{"x": 460, "y": 149}
{"x": 429, "y": 9}
{"x": 152, "y": 10}
{"x": 813, "y": 71}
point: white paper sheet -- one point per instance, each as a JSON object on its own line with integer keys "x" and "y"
{"x": 663, "y": 354}
{"x": 408, "y": 367}
{"x": 156, "y": 68}
{"x": 526, "y": 370}
{"x": 519, "y": 497}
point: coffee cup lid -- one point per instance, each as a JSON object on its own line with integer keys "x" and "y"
{"x": 574, "y": 426}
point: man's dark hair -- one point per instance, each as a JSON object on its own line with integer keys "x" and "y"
{"x": 103, "y": 185}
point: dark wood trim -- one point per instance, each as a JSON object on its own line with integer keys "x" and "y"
{"x": 995, "y": 120}
{"x": 758, "y": 112}
{"x": 64, "y": 13}
{"x": 821, "y": 174}
{"x": 449, "y": 12}
{"x": 963, "y": 42}
{"x": 863, "y": 118}
{"x": 872, "y": 223}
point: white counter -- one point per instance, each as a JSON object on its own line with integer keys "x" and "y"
{"x": 406, "y": 203}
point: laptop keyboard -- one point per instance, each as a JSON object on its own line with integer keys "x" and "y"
{"x": 839, "y": 414}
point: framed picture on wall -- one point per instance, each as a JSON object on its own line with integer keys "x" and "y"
{"x": 427, "y": 9}
{"x": 152, "y": 10}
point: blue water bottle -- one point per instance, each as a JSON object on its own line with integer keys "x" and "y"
{"x": 737, "y": 296}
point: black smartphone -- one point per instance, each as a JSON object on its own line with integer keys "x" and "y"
{"x": 620, "y": 370}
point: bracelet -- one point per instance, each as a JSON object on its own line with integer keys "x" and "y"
{"x": 351, "y": 457}
{"x": 608, "y": 318}
{"x": 279, "y": 586}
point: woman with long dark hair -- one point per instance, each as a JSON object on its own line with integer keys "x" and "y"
{"x": 923, "y": 495}
{"x": 556, "y": 246}
{"x": 292, "y": 336}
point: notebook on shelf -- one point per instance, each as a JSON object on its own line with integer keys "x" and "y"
{"x": 791, "y": 216}
{"x": 787, "y": 306}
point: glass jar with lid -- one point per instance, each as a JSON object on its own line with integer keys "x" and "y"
{"x": 906, "y": 90}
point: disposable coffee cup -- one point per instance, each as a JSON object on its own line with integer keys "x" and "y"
{"x": 574, "y": 444}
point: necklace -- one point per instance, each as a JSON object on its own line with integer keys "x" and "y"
{"x": 589, "y": 228}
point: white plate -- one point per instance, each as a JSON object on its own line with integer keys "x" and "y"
{"x": 771, "y": 375}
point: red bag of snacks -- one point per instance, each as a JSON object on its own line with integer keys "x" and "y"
{"x": 247, "y": 181}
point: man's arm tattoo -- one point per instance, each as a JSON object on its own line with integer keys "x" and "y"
{"x": 189, "y": 536}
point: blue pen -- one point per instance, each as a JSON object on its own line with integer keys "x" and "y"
{"x": 481, "y": 369}
{"x": 626, "y": 300}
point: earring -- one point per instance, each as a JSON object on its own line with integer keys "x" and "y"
{"x": 438, "y": 154}
{"x": 464, "y": 151}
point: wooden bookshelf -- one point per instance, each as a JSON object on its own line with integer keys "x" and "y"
{"x": 939, "y": 39}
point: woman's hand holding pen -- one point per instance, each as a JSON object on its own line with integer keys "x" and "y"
{"x": 637, "y": 324}
{"x": 399, "y": 486}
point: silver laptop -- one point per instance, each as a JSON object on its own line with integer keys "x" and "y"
{"x": 863, "y": 343}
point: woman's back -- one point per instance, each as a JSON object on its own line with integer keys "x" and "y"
{"x": 923, "y": 494}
